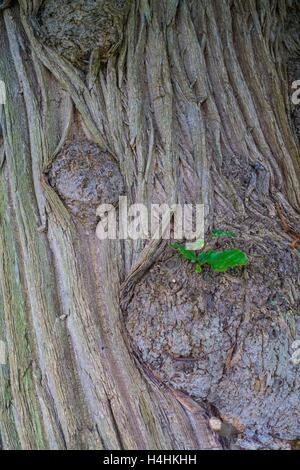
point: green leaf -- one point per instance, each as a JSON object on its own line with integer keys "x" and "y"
{"x": 198, "y": 268}
{"x": 223, "y": 234}
{"x": 221, "y": 261}
{"x": 187, "y": 254}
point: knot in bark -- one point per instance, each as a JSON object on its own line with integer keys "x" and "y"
{"x": 76, "y": 28}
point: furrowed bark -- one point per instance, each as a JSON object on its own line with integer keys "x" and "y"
{"x": 189, "y": 99}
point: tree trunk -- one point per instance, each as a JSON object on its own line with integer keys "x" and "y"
{"x": 119, "y": 344}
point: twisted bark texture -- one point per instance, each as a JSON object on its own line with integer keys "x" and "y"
{"x": 119, "y": 345}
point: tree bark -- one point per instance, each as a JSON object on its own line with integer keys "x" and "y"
{"x": 181, "y": 101}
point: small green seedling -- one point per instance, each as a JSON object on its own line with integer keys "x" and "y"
{"x": 198, "y": 268}
{"x": 220, "y": 261}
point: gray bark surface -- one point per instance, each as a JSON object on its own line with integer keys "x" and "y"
{"x": 121, "y": 345}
